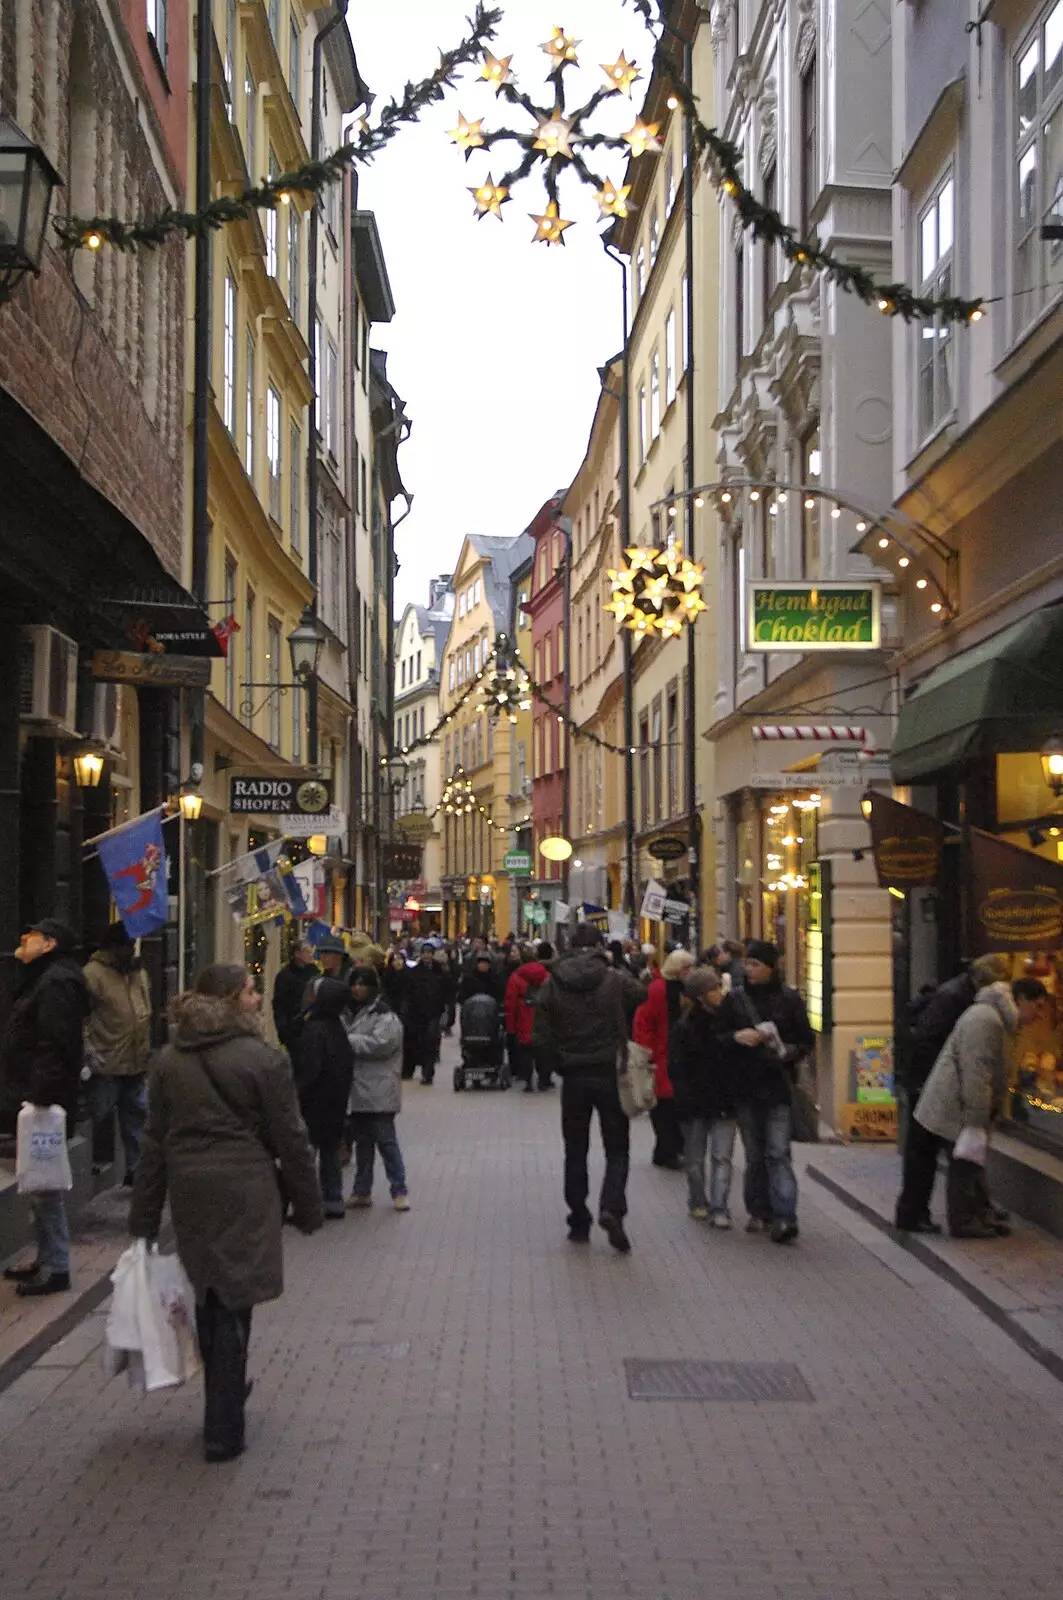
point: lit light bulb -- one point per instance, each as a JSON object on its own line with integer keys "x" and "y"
{"x": 699, "y": 500}
{"x": 936, "y": 606}
{"x": 726, "y": 498}
{"x": 977, "y": 314}
{"x": 754, "y": 494}
{"x": 903, "y": 562}
{"x": 93, "y": 241}
{"x": 809, "y": 503}
{"x": 861, "y": 527}
{"x": 920, "y": 583}
{"x": 673, "y": 105}
{"x": 836, "y": 512}
{"x": 883, "y": 544}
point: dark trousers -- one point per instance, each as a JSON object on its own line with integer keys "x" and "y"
{"x": 668, "y": 1146}
{"x": 223, "y": 1341}
{"x": 421, "y": 1049}
{"x": 966, "y": 1197}
{"x": 581, "y": 1096}
{"x": 528, "y": 1063}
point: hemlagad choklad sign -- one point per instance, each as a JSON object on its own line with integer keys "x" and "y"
{"x": 813, "y": 616}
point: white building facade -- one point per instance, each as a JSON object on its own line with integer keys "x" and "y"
{"x": 420, "y": 638}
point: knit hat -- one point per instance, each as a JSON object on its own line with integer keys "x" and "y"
{"x": 331, "y": 944}
{"x": 762, "y": 950}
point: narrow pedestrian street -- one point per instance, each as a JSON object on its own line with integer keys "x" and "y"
{"x": 441, "y": 1410}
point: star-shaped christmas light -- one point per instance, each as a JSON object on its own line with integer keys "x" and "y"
{"x": 612, "y": 201}
{"x": 622, "y": 74}
{"x": 561, "y": 47}
{"x": 496, "y": 69}
{"x": 692, "y": 604}
{"x": 641, "y": 560}
{"x": 467, "y": 135}
{"x": 490, "y": 197}
{"x": 655, "y": 589}
{"x": 691, "y": 575}
{"x": 642, "y": 138}
{"x": 671, "y": 626}
{"x": 620, "y": 608}
{"x": 621, "y": 579}
{"x": 553, "y": 136}
{"x": 550, "y": 227}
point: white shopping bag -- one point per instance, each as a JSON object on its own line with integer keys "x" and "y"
{"x": 42, "y": 1161}
{"x": 972, "y": 1145}
{"x": 151, "y": 1324}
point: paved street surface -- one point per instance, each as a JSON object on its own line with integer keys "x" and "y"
{"x": 441, "y": 1412}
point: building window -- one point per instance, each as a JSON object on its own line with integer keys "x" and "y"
{"x": 1039, "y": 165}
{"x": 811, "y": 504}
{"x": 295, "y": 499}
{"x": 669, "y": 183}
{"x": 560, "y": 649}
{"x": 230, "y": 56}
{"x": 537, "y": 660}
{"x": 541, "y": 581}
{"x": 640, "y": 272}
{"x": 451, "y": 677}
{"x": 655, "y": 236}
{"x": 687, "y": 330}
{"x": 297, "y": 725}
{"x": 250, "y": 116}
{"x": 461, "y": 605}
{"x": 669, "y": 363}
{"x": 477, "y": 591}
{"x": 643, "y": 423}
{"x": 655, "y": 395}
{"x": 332, "y": 391}
{"x": 769, "y": 253}
{"x": 249, "y": 651}
{"x": 672, "y": 735}
{"x": 579, "y": 648}
{"x": 548, "y": 658}
{"x": 936, "y": 277}
{"x": 228, "y": 382}
{"x": 422, "y": 731}
{"x": 271, "y": 224}
{"x": 293, "y": 63}
{"x": 230, "y": 643}
{"x": 319, "y": 385}
{"x": 273, "y": 676}
{"x": 156, "y": 16}
{"x": 644, "y": 771}
{"x": 809, "y": 143}
{"x": 365, "y": 494}
{"x": 275, "y": 22}
{"x": 249, "y": 408}
{"x": 295, "y": 223}
{"x": 658, "y": 761}
{"x": 417, "y": 668}
{"x": 740, "y": 305}
{"x": 273, "y": 450}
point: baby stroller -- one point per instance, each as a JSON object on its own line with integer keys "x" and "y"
{"x": 482, "y": 1042}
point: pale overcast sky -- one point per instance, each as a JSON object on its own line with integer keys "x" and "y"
{"x": 496, "y": 343}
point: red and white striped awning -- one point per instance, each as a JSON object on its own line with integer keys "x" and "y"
{"x": 820, "y": 733}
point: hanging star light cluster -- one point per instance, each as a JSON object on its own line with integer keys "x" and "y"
{"x": 657, "y": 592}
{"x": 458, "y": 798}
{"x": 506, "y": 686}
{"x": 559, "y": 139}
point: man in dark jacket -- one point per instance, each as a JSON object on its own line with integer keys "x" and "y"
{"x": 580, "y": 1025}
{"x": 41, "y": 1059}
{"x": 767, "y": 1027}
{"x": 289, "y": 995}
{"x": 485, "y": 976}
{"x": 424, "y": 1002}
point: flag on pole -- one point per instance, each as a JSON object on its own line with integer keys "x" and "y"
{"x": 134, "y": 859}
{"x": 250, "y": 867}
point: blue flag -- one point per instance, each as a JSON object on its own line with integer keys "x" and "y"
{"x": 134, "y": 859}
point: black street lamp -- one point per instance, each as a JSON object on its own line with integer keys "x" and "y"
{"x": 306, "y": 643}
{"x": 27, "y": 181}
{"x": 1052, "y": 764}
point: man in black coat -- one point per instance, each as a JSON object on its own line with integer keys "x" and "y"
{"x": 41, "y": 1058}
{"x": 485, "y": 976}
{"x": 423, "y": 1005}
{"x": 289, "y": 995}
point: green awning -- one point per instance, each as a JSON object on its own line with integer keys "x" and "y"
{"x": 1005, "y": 694}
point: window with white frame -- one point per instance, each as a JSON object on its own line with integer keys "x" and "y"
{"x": 295, "y": 498}
{"x": 156, "y": 18}
{"x": 643, "y": 421}
{"x": 228, "y": 377}
{"x": 934, "y": 338}
{"x": 669, "y": 360}
{"x": 655, "y": 395}
{"x": 1038, "y": 273}
{"x": 640, "y": 272}
{"x": 249, "y": 407}
{"x": 250, "y": 123}
{"x": 273, "y": 450}
{"x": 669, "y": 182}
{"x": 686, "y": 324}
{"x": 273, "y": 676}
{"x": 461, "y": 605}
{"x": 655, "y": 235}
{"x": 295, "y": 223}
{"x": 332, "y": 390}
{"x": 293, "y": 62}
{"x": 271, "y": 224}
{"x": 230, "y": 56}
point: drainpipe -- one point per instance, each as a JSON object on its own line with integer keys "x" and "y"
{"x": 312, "y": 474}
{"x": 693, "y": 839}
{"x": 625, "y": 541}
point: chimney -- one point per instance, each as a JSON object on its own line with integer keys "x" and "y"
{"x": 437, "y": 588}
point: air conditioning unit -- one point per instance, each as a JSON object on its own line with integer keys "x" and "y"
{"x": 99, "y": 714}
{"x": 48, "y": 679}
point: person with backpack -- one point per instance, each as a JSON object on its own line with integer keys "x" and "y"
{"x": 522, "y": 992}
{"x": 765, "y": 1026}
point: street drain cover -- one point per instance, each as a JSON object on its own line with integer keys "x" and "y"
{"x": 375, "y": 1347}
{"x": 736, "y": 1381}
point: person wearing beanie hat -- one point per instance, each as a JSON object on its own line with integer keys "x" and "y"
{"x": 41, "y": 1058}
{"x": 764, "y": 1027}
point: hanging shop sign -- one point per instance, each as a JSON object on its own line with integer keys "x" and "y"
{"x": 162, "y": 671}
{"x": 415, "y": 827}
{"x": 403, "y": 861}
{"x": 653, "y": 902}
{"x": 667, "y": 847}
{"x": 813, "y": 616}
{"x": 819, "y": 952}
{"x": 519, "y": 862}
{"x": 262, "y": 795}
{"x": 907, "y": 844}
{"x": 812, "y": 781}
{"x": 676, "y": 911}
{"x": 1014, "y": 898}
{"x": 332, "y": 823}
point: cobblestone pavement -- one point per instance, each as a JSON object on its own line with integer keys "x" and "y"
{"x": 440, "y": 1413}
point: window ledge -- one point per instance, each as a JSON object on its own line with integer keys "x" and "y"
{"x": 1028, "y": 346}
{"x": 936, "y": 444}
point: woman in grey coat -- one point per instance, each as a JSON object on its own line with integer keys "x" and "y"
{"x": 965, "y": 1089}
{"x": 222, "y": 1116}
{"x": 375, "y": 1035}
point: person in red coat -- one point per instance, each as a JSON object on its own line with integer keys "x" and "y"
{"x": 521, "y": 990}
{"x": 658, "y": 1012}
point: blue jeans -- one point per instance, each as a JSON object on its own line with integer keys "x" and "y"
{"x": 372, "y": 1131}
{"x": 110, "y": 1092}
{"x": 48, "y": 1215}
{"x": 770, "y": 1185}
{"x": 701, "y": 1136}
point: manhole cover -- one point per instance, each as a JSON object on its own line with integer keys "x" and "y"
{"x": 715, "y": 1380}
{"x": 374, "y": 1347}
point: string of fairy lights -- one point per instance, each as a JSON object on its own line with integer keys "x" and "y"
{"x": 560, "y": 141}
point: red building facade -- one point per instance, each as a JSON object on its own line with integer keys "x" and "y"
{"x": 547, "y": 608}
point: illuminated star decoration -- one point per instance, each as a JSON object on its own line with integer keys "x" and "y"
{"x": 657, "y": 592}
{"x": 468, "y": 136}
{"x": 561, "y": 47}
{"x": 496, "y": 69}
{"x": 643, "y": 137}
{"x": 490, "y": 197}
{"x": 622, "y": 74}
{"x": 554, "y": 136}
{"x": 550, "y": 227}
{"x": 612, "y": 201}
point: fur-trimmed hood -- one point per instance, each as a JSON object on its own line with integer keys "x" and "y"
{"x": 204, "y": 1019}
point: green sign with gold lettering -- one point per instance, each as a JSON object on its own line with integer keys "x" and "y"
{"x": 813, "y": 616}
